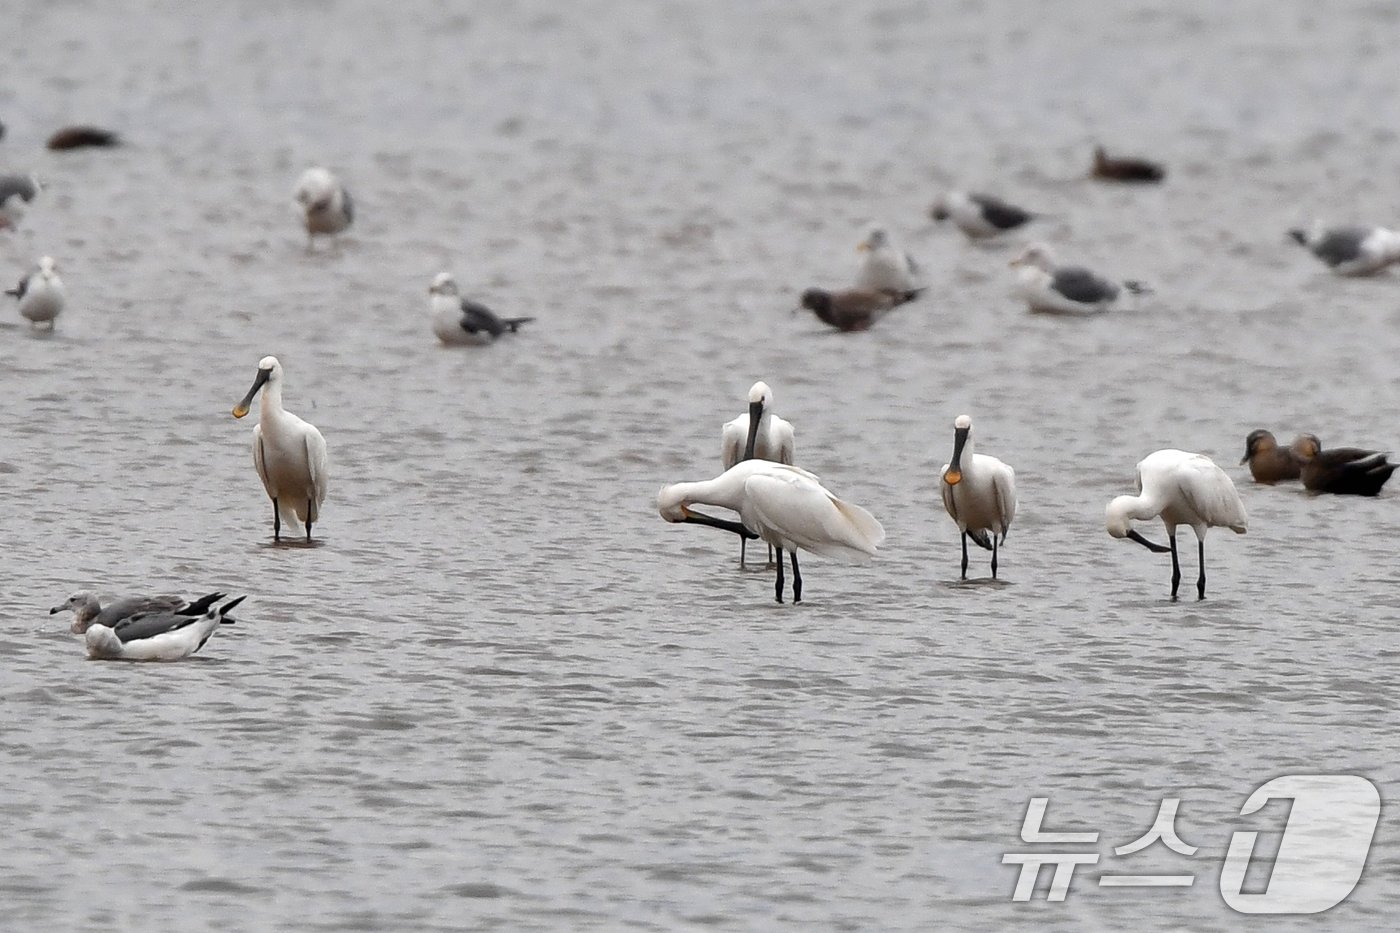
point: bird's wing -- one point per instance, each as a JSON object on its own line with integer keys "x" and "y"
{"x": 316, "y": 464}
{"x": 998, "y": 213}
{"x": 947, "y": 492}
{"x": 787, "y": 446}
{"x": 1341, "y": 245}
{"x": 19, "y": 290}
{"x": 1211, "y": 494}
{"x": 804, "y": 513}
{"x": 1079, "y": 284}
{"x": 731, "y": 440}
{"x": 117, "y": 610}
{"x": 1004, "y": 487}
{"x": 477, "y": 317}
{"x": 151, "y": 624}
{"x": 259, "y": 463}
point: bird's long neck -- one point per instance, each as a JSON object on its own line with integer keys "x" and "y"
{"x": 1141, "y": 507}
{"x": 271, "y": 398}
{"x": 712, "y": 492}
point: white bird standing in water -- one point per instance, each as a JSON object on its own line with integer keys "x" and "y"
{"x": 884, "y": 266}
{"x": 159, "y": 636}
{"x": 1182, "y": 489}
{"x": 761, "y": 434}
{"x": 40, "y": 293}
{"x": 326, "y": 204}
{"x": 785, "y": 506}
{"x": 289, "y": 454}
{"x": 979, "y": 493}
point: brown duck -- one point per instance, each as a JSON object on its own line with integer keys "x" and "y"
{"x": 1345, "y": 471}
{"x": 852, "y": 309}
{"x": 1125, "y": 169}
{"x": 1269, "y": 463}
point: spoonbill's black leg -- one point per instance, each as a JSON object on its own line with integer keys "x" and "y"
{"x": 778, "y": 593}
{"x": 743, "y": 547}
{"x": 276, "y": 522}
{"x": 1201, "y": 580}
{"x": 309, "y": 513}
{"x": 1176, "y": 568}
{"x": 964, "y": 569}
{"x": 796, "y": 580}
{"x": 994, "y": 556}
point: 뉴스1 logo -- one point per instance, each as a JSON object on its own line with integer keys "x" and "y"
{"x": 1319, "y": 862}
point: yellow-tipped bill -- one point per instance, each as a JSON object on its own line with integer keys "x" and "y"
{"x": 952, "y": 477}
{"x": 240, "y": 410}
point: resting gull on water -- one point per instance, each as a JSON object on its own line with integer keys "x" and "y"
{"x": 1056, "y": 289}
{"x": 40, "y": 293}
{"x": 88, "y": 611}
{"x": 979, "y": 216}
{"x": 1355, "y": 250}
{"x": 326, "y": 204}
{"x": 16, "y": 191}
{"x": 884, "y": 266}
{"x": 463, "y": 322}
{"x": 158, "y": 636}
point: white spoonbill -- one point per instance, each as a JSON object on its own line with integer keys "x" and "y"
{"x": 40, "y": 293}
{"x": 159, "y": 636}
{"x": 884, "y": 266}
{"x": 1182, "y": 489}
{"x": 761, "y": 434}
{"x": 979, "y": 493}
{"x": 289, "y": 454}
{"x": 326, "y": 204}
{"x": 785, "y": 506}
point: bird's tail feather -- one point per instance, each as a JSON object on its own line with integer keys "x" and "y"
{"x": 981, "y": 538}
{"x": 514, "y": 322}
{"x": 1135, "y": 287}
{"x": 200, "y": 606}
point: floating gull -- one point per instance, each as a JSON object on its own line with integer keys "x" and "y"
{"x": 289, "y": 454}
{"x": 40, "y": 293}
{"x": 785, "y": 506}
{"x": 1354, "y": 250}
{"x": 1345, "y": 471}
{"x": 87, "y": 611}
{"x": 884, "y": 266}
{"x": 461, "y": 321}
{"x": 325, "y": 202}
{"x": 1065, "y": 289}
{"x": 1269, "y": 463}
{"x": 979, "y": 493}
{"x": 16, "y": 191}
{"x": 78, "y": 137}
{"x": 1182, "y": 489}
{"x": 852, "y": 309}
{"x": 760, "y": 434}
{"x": 979, "y": 215}
{"x": 162, "y": 635}
{"x": 1125, "y": 169}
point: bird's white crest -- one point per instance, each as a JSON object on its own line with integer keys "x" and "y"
{"x": 315, "y": 184}
{"x": 270, "y": 363}
{"x": 963, "y": 422}
{"x": 760, "y": 392}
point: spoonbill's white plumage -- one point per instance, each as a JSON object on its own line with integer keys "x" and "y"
{"x": 979, "y": 216}
{"x": 326, "y": 205}
{"x": 16, "y": 193}
{"x": 158, "y": 636}
{"x": 757, "y": 433}
{"x": 1054, "y": 289}
{"x": 88, "y": 611}
{"x": 40, "y": 293}
{"x": 459, "y": 321}
{"x": 884, "y": 266}
{"x": 979, "y": 493}
{"x": 1181, "y": 488}
{"x": 289, "y": 454}
{"x": 785, "y": 506}
{"x": 1355, "y": 250}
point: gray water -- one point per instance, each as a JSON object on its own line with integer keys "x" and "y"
{"x": 500, "y": 692}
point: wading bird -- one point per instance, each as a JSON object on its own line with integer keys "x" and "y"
{"x": 979, "y": 493}
{"x": 40, "y": 293}
{"x": 289, "y": 454}
{"x": 326, "y": 205}
{"x": 759, "y": 433}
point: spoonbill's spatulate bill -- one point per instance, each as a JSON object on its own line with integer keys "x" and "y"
{"x": 1182, "y": 489}
{"x": 326, "y": 205}
{"x": 462, "y": 322}
{"x": 40, "y": 293}
{"x": 1053, "y": 289}
{"x": 1352, "y": 251}
{"x": 758, "y": 433}
{"x": 88, "y": 611}
{"x": 159, "y": 636}
{"x": 785, "y": 506}
{"x": 979, "y": 493}
{"x": 289, "y": 454}
{"x": 979, "y": 216}
{"x": 884, "y": 266}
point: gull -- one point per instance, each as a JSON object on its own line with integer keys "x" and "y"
{"x": 884, "y": 266}
{"x": 78, "y": 137}
{"x": 1352, "y": 251}
{"x": 854, "y": 309}
{"x": 1269, "y": 463}
{"x": 1054, "y": 289}
{"x": 461, "y": 321}
{"x": 759, "y": 433}
{"x": 979, "y": 493}
{"x": 325, "y": 203}
{"x": 1125, "y": 169}
{"x": 1182, "y": 489}
{"x": 87, "y": 611}
{"x": 16, "y": 192}
{"x": 785, "y": 506}
{"x": 40, "y": 293}
{"x": 158, "y": 636}
{"x": 979, "y": 216}
{"x": 289, "y": 454}
{"x": 1345, "y": 471}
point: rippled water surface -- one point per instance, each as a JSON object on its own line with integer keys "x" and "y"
{"x": 500, "y": 692}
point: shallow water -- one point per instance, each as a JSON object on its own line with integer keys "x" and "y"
{"x": 502, "y": 694}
